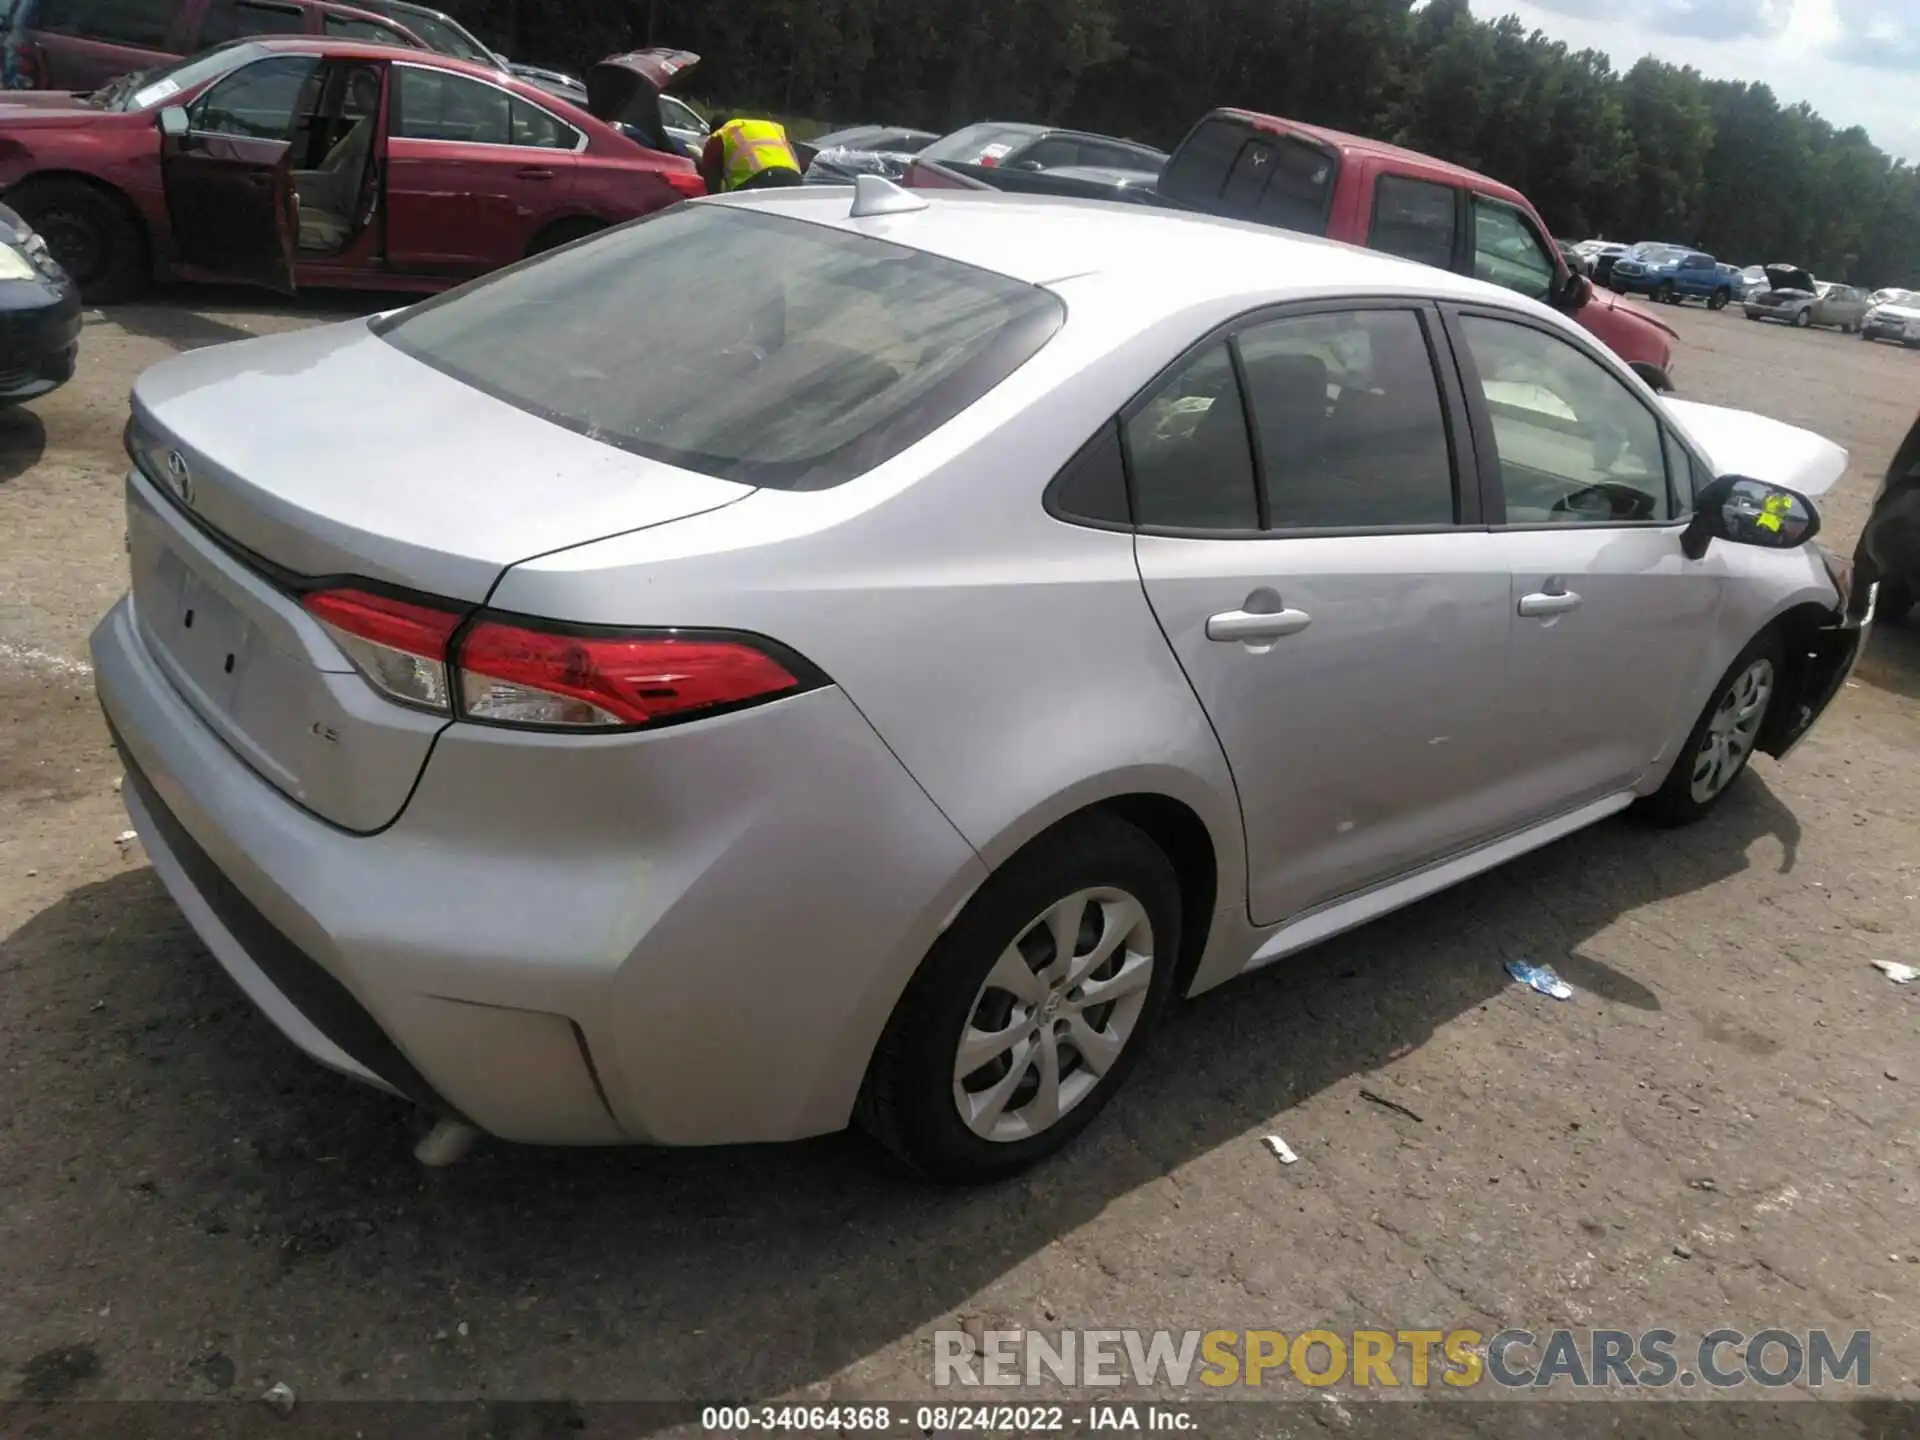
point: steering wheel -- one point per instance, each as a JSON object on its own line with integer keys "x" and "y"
{"x": 1607, "y": 500}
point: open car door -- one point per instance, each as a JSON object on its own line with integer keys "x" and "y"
{"x": 231, "y": 202}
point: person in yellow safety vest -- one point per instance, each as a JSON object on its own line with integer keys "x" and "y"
{"x": 744, "y": 154}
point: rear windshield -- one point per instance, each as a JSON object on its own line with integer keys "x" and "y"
{"x": 978, "y": 143}
{"x": 1227, "y": 167}
{"x": 739, "y": 344}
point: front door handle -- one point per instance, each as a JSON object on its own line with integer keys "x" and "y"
{"x": 1549, "y": 602}
{"x": 1250, "y": 625}
{"x": 534, "y": 172}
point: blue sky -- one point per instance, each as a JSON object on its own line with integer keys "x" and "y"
{"x": 1857, "y": 62}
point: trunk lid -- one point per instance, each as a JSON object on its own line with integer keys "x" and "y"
{"x": 620, "y": 83}
{"x": 370, "y": 465}
{"x": 1790, "y": 278}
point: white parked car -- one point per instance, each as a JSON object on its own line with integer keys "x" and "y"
{"x": 842, "y": 653}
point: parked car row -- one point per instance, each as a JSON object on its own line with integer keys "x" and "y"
{"x": 1246, "y": 166}
{"x": 269, "y": 160}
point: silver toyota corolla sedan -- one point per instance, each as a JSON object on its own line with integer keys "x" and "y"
{"x": 832, "y": 656}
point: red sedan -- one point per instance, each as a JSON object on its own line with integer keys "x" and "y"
{"x": 330, "y": 163}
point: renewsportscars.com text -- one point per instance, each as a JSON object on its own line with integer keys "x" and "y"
{"x": 1722, "y": 1359}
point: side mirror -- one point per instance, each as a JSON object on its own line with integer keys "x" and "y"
{"x": 1749, "y": 512}
{"x": 1575, "y": 291}
{"x": 174, "y": 123}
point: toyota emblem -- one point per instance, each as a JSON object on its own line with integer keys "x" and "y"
{"x": 180, "y": 477}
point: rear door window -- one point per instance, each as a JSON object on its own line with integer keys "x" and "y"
{"x": 1415, "y": 219}
{"x": 145, "y": 23}
{"x": 1346, "y": 409}
{"x": 1507, "y": 252}
{"x": 736, "y": 343}
{"x": 438, "y": 105}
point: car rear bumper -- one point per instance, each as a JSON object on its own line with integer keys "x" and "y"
{"x": 688, "y": 937}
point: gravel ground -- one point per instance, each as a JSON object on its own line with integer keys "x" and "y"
{"x": 1720, "y": 1129}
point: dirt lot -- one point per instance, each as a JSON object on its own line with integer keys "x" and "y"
{"x": 1720, "y": 1129}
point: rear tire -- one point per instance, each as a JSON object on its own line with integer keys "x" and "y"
{"x": 564, "y": 232}
{"x": 94, "y": 235}
{"x": 1106, "y": 885}
{"x": 1721, "y": 742}
{"x": 1718, "y": 300}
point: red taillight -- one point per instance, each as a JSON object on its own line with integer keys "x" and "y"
{"x": 687, "y": 182}
{"x": 515, "y": 676}
{"x": 399, "y": 645}
{"x": 497, "y": 671}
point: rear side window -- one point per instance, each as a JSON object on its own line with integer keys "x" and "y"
{"x": 736, "y": 343}
{"x": 145, "y": 23}
{"x": 1188, "y": 452}
{"x": 1226, "y": 167}
{"x": 1415, "y": 219}
{"x": 226, "y": 20}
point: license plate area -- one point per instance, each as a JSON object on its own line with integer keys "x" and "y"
{"x": 207, "y": 639}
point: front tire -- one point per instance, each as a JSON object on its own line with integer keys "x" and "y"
{"x": 1665, "y": 294}
{"x": 1722, "y": 739}
{"x": 1802, "y": 319}
{"x": 1031, "y": 1010}
{"x": 91, "y": 233}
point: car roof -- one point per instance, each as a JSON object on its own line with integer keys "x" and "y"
{"x": 1345, "y": 144}
{"x": 1042, "y": 239}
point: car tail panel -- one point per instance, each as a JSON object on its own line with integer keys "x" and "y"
{"x": 264, "y": 676}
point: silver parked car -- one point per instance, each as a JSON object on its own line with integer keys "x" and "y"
{"x": 1895, "y": 315}
{"x": 827, "y": 655}
{"x": 1795, "y": 297}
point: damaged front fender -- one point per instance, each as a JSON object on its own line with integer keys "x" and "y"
{"x": 1823, "y": 645}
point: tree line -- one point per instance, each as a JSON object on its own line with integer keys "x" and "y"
{"x": 1659, "y": 152}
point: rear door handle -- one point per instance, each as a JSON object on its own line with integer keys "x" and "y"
{"x": 1234, "y": 625}
{"x": 534, "y": 172}
{"x": 1549, "y": 602}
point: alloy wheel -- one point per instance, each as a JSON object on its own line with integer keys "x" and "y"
{"x": 1732, "y": 730}
{"x": 1054, "y": 1014}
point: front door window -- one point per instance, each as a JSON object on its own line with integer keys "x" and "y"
{"x": 1507, "y": 252}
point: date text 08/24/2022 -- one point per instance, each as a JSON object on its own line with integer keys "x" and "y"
{"x": 942, "y": 1419}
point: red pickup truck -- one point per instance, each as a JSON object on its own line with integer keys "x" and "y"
{"x": 1246, "y": 166}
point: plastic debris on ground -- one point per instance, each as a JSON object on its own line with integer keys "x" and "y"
{"x": 1541, "y": 978}
{"x": 1281, "y": 1149}
{"x": 1896, "y": 972}
{"x": 281, "y": 1398}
